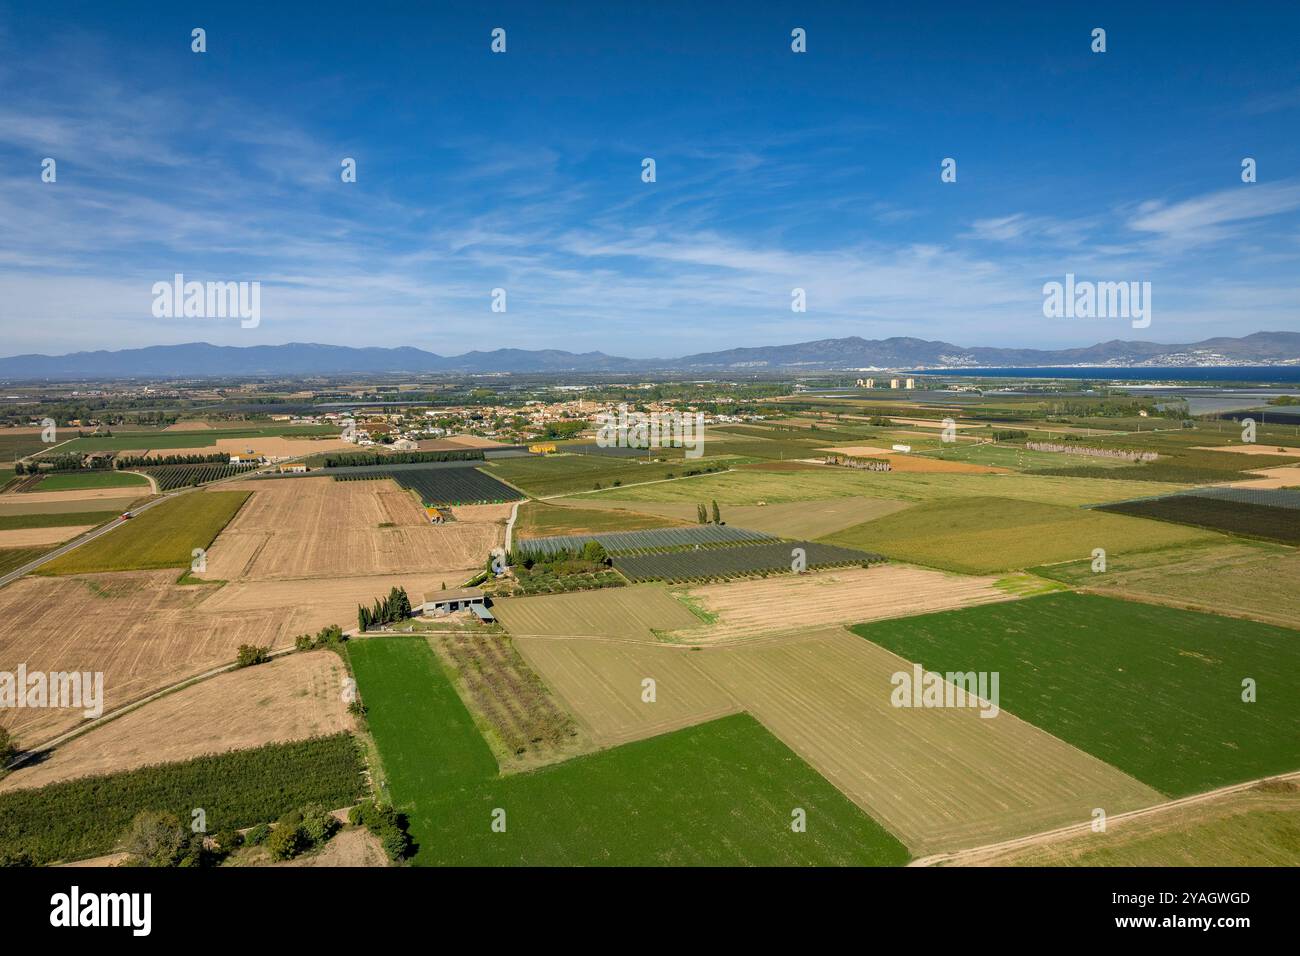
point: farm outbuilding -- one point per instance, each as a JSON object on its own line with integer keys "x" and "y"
{"x": 457, "y": 599}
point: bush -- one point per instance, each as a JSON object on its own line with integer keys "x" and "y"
{"x": 158, "y": 839}
{"x": 386, "y": 824}
{"x": 257, "y": 836}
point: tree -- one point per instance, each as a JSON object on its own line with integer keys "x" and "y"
{"x": 157, "y": 839}
{"x": 717, "y": 515}
{"x": 250, "y": 654}
{"x": 701, "y": 515}
{"x": 8, "y": 748}
{"x": 595, "y": 552}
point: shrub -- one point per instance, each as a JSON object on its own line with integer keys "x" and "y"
{"x": 257, "y": 836}
{"x": 318, "y": 823}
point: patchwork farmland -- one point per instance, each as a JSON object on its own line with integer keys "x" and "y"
{"x": 741, "y": 560}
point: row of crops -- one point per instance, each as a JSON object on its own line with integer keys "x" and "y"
{"x": 653, "y": 539}
{"x": 183, "y": 476}
{"x": 1276, "y": 520}
{"x": 440, "y": 486}
{"x": 782, "y": 557}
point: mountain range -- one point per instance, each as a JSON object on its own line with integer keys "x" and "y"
{"x": 200, "y": 359}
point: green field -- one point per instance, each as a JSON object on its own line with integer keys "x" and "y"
{"x": 751, "y": 487}
{"x": 162, "y": 537}
{"x": 986, "y": 535}
{"x": 66, "y": 519}
{"x": 639, "y": 804}
{"x": 1019, "y": 458}
{"x": 565, "y": 474}
{"x": 199, "y": 438}
{"x": 78, "y": 481}
{"x": 11, "y": 559}
{"x": 1152, "y": 690}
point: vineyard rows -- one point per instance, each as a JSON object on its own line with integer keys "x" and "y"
{"x": 739, "y": 561}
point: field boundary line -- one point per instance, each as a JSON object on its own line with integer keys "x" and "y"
{"x": 1076, "y": 829}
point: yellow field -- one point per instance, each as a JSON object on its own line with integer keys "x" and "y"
{"x": 318, "y": 527}
{"x": 290, "y": 698}
{"x": 938, "y": 778}
{"x": 838, "y": 596}
{"x": 600, "y": 682}
{"x": 620, "y": 614}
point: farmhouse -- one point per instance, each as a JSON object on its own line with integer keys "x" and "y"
{"x": 457, "y": 599}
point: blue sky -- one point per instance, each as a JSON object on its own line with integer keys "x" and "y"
{"x": 522, "y": 170}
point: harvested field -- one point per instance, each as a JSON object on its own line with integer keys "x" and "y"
{"x": 782, "y": 466}
{"x": 290, "y": 698}
{"x": 13, "y": 506}
{"x": 190, "y": 426}
{"x": 316, "y": 527}
{"x": 34, "y": 537}
{"x": 938, "y": 778}
{"x": 601, "y": 683}
{"x": 742, "y": 609}
{"x": 1256, "y": 827}
{"x": 1154, "y": 691}
{"x": 621, "y": 614}
{"x": 125, "y": 495}
{"x": 858, "y": 451}
{"x": 140, "y": 629}
{"x": 512, "y": 707}
{"x": 923, "y": 464}
{"x": 539, "y": 518}
{"x": 270, "y": 446}
{"x": 1253, "y": 449}
{"x": 1284, "y": 477}
{"x": 472, "y": 441}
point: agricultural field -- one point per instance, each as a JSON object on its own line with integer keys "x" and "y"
{"x": 289, "y": 698}
{"x": 543, "y": 477}
{"x": 162, "y": 537}
{"x": 20, "y": 442}
{"x": 1019, "y": 458}
{"x": 1233, "y": 517}
{"x": 751, "y": 487}
{"x": 740, "y": 560}
{"x": 11, "y": 559}
{"x": 78, "y": 819}
{"x": 427, "y": 740}
{"x": 513, "y": 709}
{"x": 297, "y": 440}
{"x": 627, "y": 614}
{"x": 1153, "y": 691}
{"x": 638, "y": 804}
{"x": 939, "y": 778}
{"x": 1234, "y": 576}
{"x": 1256, "y": 827}
{"x": 990, "y": 535}
{"x": 739, "y": 610}
{"x": 37, "y": 537}
{"x": 539, "y": 519}
{"x": 170, "y": 477}
{"x": 82, "y": 480}
{"x": 793, "y": 519}
{"x": 646, "y": 541}
{"x": 318, "y": 527}
{"x": 440, "y": 486}
{"x": 600, "y": 682}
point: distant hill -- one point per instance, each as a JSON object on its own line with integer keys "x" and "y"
{"x": 200, "y": 359}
